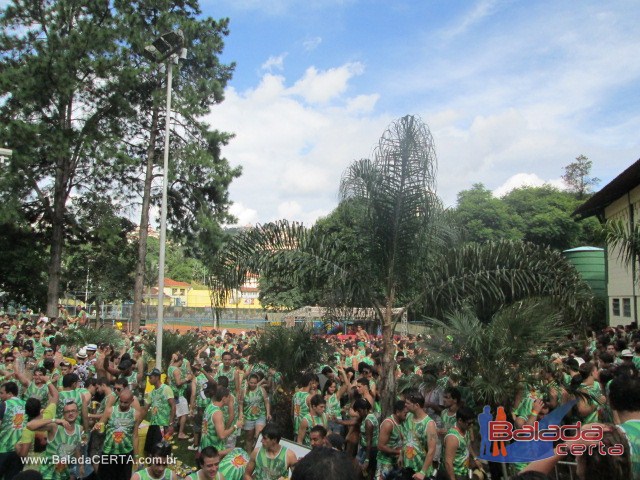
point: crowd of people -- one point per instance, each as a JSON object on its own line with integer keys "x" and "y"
{"x": 97, "y": 410}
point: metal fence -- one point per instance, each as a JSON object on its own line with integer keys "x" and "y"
{"x": 181, "y": 316}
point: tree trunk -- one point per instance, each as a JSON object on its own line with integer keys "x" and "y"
{"x": 57, "y": 238}
{"x": 55, "y": 262}
{"x": 388, "y": 374}
{"x": 138, "y": 287}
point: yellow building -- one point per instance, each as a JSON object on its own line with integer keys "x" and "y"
{"x": 194, "y": 296}
{"x": 175, "y": 293}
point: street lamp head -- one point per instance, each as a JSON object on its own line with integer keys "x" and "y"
{"x": 151, "y": 53}
{"x": 164, "y": 46}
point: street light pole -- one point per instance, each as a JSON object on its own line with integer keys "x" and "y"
{"x": 167, "y": 47}
{"x": 163, "y": 219}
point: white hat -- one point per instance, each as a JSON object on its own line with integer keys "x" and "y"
{"x": 626, "y": 353}
{"x": 82, "y": 353}
{"x": 91, "y": 346}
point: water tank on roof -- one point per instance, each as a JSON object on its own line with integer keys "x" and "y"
{"x": 590, "y": 262}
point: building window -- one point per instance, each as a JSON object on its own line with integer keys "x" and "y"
{"x": 626, "y": 307}
{"x": 616, "y": 307}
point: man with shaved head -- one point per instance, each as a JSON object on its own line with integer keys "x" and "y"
{"x": 121, "y": 424}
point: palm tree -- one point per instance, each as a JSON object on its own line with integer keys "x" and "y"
{"x": 619, "y": 236}
{"x": 413, "y": 256}
{"x": 494, "y": 360}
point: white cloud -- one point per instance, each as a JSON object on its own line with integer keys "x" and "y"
{"x": 290, "y": 209}
{"x": 479, "y": 12}
{"x": 274, "y": 63}
{"x": 526, "y": 180}
{"x": 245, "y": 216}
{"x": 322, "y": 86}
{"x": 311, "y": 43}
{"x": 293, "y": 153}
{"x": 363, "y": 103}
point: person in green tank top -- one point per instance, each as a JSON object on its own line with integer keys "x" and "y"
{"x": 38, "y": 387}
{"x": 625, "y": 403}
{"x": 419, "y": 448}
{"x": 531, "y": 410}
{"x": 12, "y": 419}
{"x": 198, "y": 402}
{"x": 158, "y": 459}
{"x": 214, "y": 432}
{"x": 33, "y": 444}
{"x": 160, "y": 410}
{"x": 587, "y": 383}
{"x": 226, "y": 368}
{"x": 452, "y": 401}
{"x": 332, "y": 394}
{"x": 256, "y": 410}
{"x": 390, "y": 440}
{"x": 455, "y": 463}
{"x": 178, "y": 381}
{"x": 271, "y": 461}
{"x": 121, "y": 437}
{"x": 64, "y": 440}
{"x": 210, "y": 464}
{"x": 300, "y": 401}
{"x": 69, "y": 393}
{"x": 230, "y": 413}
{"x": 369, "y": 429}
{"x": 315, "y": 417}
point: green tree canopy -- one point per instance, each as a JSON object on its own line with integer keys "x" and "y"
{"x": 541, "y": 215}
{"x": 64, "y": 88}
{"x": 485, "y": 217}
{"x": 546, "y": 216}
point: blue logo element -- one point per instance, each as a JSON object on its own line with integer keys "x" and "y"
{"x": 518, "y": 451}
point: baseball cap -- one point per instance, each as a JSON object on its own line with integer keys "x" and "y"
{"x": 91, "y": 347}
{"x": 626, "y": 353}
{"x": 154, "y": 373}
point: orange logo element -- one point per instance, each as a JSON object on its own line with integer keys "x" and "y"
{"x": 255, "y": 410}
{"x": 239, "y": 461}
{"x": 118, "y": 437}
{"x": 60, "y": 467}
{"x": 296, "y": 410}
{"x": 410, "y": 452}
{"x": 18, "y": 420}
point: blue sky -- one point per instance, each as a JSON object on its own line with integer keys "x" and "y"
{"x": 511, "y": 90}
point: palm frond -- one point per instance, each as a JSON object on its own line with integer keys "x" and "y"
{"x": 82, "y": 336}
{"x": 290, "y": 350}
{"x": 498, "y": 273}
{"x": 623, "y": 239}
{"x": 493, "y": 359}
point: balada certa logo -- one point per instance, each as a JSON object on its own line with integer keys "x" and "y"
{"x": 502, "y": 443}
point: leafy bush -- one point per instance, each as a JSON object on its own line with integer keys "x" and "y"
{"x": 290, "y": 350}
{"x": 491, "y": 360}
{"x": 85, "y": 335}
